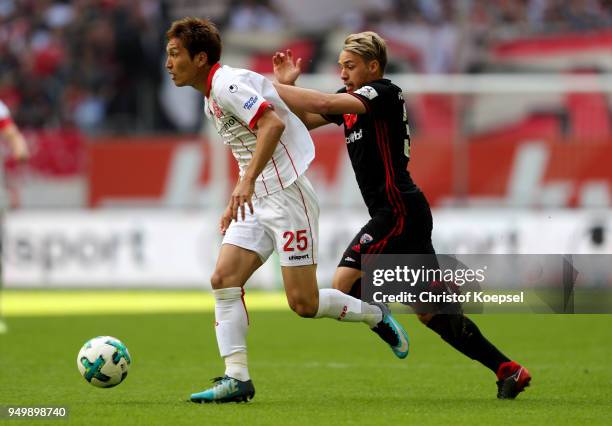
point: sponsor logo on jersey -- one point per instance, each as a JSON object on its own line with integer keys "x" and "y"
{"x": 249, "y": 104}
{"x": 355, "y": 136}
{"x": 367, "y": 92}
{"x": 349, "y": 259}
{"x": 216, "y": 109}
{"x": 299, "y": 257}
{"x": 228, "y": 124}
{"x": 365, "y": 239}
{"x": 233, "y": 88}
{"x": 350, "y": 120}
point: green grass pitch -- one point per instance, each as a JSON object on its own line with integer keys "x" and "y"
{"x": 315, "y": 372}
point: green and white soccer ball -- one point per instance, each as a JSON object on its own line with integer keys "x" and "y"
{"x": 104, "y": 361}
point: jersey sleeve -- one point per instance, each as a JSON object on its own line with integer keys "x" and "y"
{"x": 5, "y": 116}
{"x": 335, "y": 118}
{"x": 242, "y": 98}
{"x": 375, "y": 96}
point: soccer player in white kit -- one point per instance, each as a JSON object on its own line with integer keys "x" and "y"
{"x": 10, "y": 132}
{"x": 272, "y": 208}
{"x": 19, "y": 148}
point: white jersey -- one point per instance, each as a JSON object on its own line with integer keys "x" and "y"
{"x": 5, "y": 121}
{"x": 5, "y": 116}
{"x": 236, "y": 100}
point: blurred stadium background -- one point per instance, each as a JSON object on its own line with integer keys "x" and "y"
{"x": 510, "y": 105}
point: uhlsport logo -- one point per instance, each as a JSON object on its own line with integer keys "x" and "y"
{"x": 249, "y": 104}
{"x": 299, "y": 257}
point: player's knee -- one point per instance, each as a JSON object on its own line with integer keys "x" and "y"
{"x": 425, "y": 318}
{"x": 304, "y": 308}
{"x": 220, "y": 280}
{"x": 343, "y": 286}
{"x": 216, "y": 281}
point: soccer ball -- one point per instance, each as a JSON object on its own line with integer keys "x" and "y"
{"x": 104, "y": 361}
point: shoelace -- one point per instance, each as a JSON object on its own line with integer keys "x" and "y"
{"x": 218, "y": 381}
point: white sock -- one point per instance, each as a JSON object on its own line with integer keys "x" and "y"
{"x": 231, "y": 323}
{"x": 335, "y": 304}
{"x": 236, "y": 366}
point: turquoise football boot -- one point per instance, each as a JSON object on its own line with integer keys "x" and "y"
{"x": 226, "y": 389}
{"x": 392, "y": 332}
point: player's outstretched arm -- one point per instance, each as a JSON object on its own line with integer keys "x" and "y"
{"x": 317, "y": 102}
{"x": 269, "y": 130}
{"x": 286, "y": 71}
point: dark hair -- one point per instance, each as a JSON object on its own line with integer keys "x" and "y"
{"x": 197, "y": 35}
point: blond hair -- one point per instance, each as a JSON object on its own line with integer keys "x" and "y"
{"x": 369, "y": 45}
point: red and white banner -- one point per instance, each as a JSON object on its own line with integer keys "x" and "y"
{"x": 528, "y": 165}
{"x": 501, "y": 171}
{"x": 524, "y": 174}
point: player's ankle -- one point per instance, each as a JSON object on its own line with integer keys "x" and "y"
{"x": 236, "y": 366}
{"x": 374, "y": 317}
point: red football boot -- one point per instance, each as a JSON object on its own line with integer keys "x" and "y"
{"x": 512, "y": 379}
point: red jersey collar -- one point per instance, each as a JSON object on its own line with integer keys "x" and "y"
{"x": 211, "y": 74}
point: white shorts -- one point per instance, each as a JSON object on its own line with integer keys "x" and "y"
{"x": 286, "y": 221}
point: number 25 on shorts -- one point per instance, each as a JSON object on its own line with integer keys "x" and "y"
{"x": 295, "y": 240}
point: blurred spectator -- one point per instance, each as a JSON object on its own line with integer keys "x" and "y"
{"x": 253, "y": 15}
{"x": 427, "y": 26}
{"x": 97, "y": 64}
{"x": 83, "y": 62}
{"x": 583, "y": 15}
